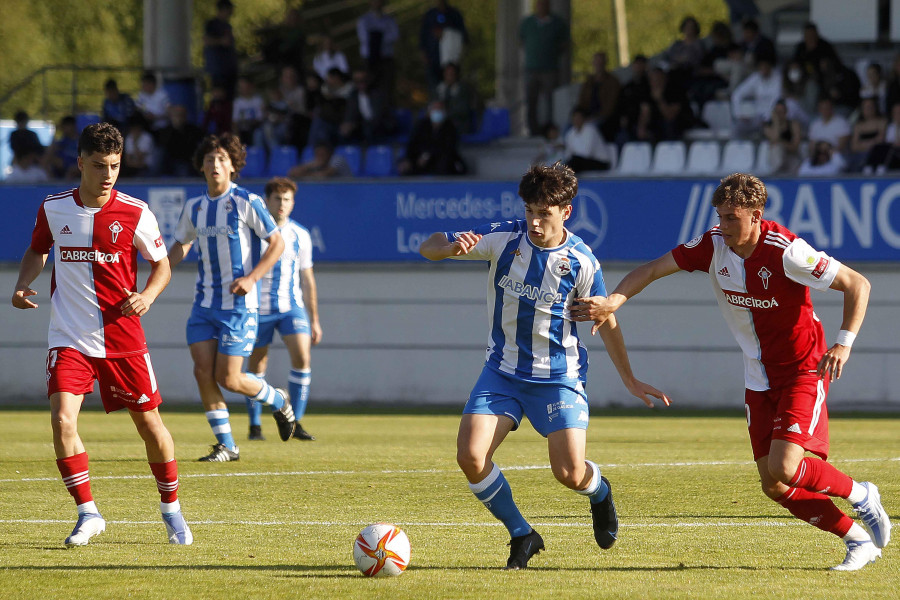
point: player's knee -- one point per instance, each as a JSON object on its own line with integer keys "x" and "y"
{"x": 230, "y": 381}
{"x": 64, "y": 425}
{"x": 469, "y": 462}
{"x": 568, "y": 476}
{"x": 773, "y": 490}
{"x": 203, "y": 373}
{"x": 782, "y": 471}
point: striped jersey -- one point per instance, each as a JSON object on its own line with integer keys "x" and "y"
{"x": 530, "y": 291}
{"x": 95, "y": 261}
{"x": 765, "y": 299}
{"x": 279, "y": 289}
{"x": 226, "y": 229}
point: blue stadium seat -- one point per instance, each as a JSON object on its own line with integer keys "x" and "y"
{"x": 353, "y": 156}
{"x": 379, "y": 161}
{"x": 404, "y": 119}
{"x": 281, "y": 160}
{"x": 82, "y": 120}
{"x": 494, "y": 124}
{"x": 256, "y": 162}
{"x": 306, "y": 155}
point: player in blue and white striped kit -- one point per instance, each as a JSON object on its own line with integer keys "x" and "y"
{"x": 227, "y": 222}
{"x": 536, "y": 366}
{"x": 287, "y": 302}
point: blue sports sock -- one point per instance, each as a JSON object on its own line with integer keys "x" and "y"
{"x": 597, "y": 489}
{"x": 495, "y": 493}
{"x": 221, "y": 427}
{"x": 254, "y": 411}
{"x": 267, "y": 394}
{"x": 298, "y": 386}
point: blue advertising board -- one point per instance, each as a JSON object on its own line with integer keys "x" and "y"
{"x": 622, "y": 220}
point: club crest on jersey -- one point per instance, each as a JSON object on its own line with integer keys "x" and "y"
{"x": 228, "y": 206}
{"x": 764, "y": 274}
{"x": 693, "y": 242}
{"x": 562, "y": 267}
{"x": 116, "y": 229}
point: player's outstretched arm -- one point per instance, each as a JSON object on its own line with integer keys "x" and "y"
{"x": 438, "y": 247}
{"x": 598, "y": 309}
{"x": 311, "y": 300}
{"x": 138, "y": 303}
{"x": 242, "y": 285}
{"x": 29, "y": 269}
{"x": 615, "y": 347}
{"x": 856, "y": 299}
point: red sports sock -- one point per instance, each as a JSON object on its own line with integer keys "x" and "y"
{"x": 817, "y": 510}
{"x": 816, "y": 475}
{"x": 74, "y": 471}
{"x": 166, "y": 480}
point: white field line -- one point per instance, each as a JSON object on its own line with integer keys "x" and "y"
{"x": 685, "y": 524}
{"x": 713, "y": 463}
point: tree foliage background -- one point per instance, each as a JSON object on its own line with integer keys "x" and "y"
{"x": 109, "y": 33}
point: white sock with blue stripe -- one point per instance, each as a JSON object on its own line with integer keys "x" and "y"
{"x": 597, "y": 489}
{"x": 495, "y": 493}
{"x": 266, "y": 394}
{"x": 221, "y": 427}
{"x": 254, "y": 409}
{"x": 298, "y": 387}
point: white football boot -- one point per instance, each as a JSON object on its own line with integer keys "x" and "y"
{"x": 859, "y": 554}
{"x": 88, "y": 525}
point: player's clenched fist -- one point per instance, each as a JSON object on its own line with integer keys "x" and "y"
{"x": 464, "y": 242}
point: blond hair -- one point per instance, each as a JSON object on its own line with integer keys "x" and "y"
{"x": 741, "y": 190}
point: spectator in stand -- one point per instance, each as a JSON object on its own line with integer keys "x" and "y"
{"x": 753, "y": 100}
{"x": 633, "y": 94}
{"x": 810, "y": 52}
{"x": 458, "y": 97}
{"x": 823, "y": 161}
{"x": 554, "y": 147}
{"x": 598, "y": 97}
{"x": 23, "y": 141}
{"x": 140, "y": 151}
{"x": 219, "y": 52}
{"x": 217, "y": 118}
{"x": 433, "y": 147}
{"x": 295, "y": 98}
{"x": 117, "y": 107}
{"x": 545, "y": 38}
{"x": 314, "y": 86}
{"x": 586, "y": 149}
{"x": 153, "y": 103}
{"x": 378, "y": 32}
{"x": 784, "y": 136}
{"x": 707, "y": 79}
{"x": 755, "y": 45}
{"x": 27, "y": 169}
{"x": 284, "y": 43}
{"x": 442, "y": 35}
{"x": 275, "y": 128}
{"x": 868, "y": 131}
{"x": 325, "y": 164}
{"x": 328, "y": 57}
{"x": 829, "y": 127}
{"x": 671, "y": 114}
{"x": 641, "y": 129}
{"x": 368, "y": 117}
{"x": 247, "y": 111}
{"x": 886, "y": 156}
{"x": 800, "y": 92}
{"x": 329, "y": 112}
{"x": 841, "y": 83}
{"x": 177, "y": 143}
{"x": 61, "y": 158}
{"x": 893, "y": 85}
{"x": 875, "y": 87}
{"x": 684, "y": 56}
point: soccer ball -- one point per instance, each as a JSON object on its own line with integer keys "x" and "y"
{"x": 381, "y": 549}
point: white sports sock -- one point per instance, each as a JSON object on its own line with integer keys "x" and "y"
{"x": 857, "y": 494}
{"x": 87, "y": 507}
{"x": 857, "y": 534}
{"x": 169, "y": 507}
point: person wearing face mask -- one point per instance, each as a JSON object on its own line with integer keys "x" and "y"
{"x": 799, "y": 92}
{"x": 433, "y": 147}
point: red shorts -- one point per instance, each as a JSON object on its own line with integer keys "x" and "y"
{"x": 794, "y": 413}
{"x": 126, "y": 382}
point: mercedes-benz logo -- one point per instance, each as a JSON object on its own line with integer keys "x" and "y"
{"x": 589, "y": 218}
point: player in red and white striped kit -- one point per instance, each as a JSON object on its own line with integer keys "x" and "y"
{"x": 761, "y": 274}
{"x": 95, "y": 328}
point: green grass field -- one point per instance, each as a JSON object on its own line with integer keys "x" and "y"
{"x": 281, "y": 522}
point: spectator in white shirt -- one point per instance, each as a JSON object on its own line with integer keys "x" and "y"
{"x": 247, "y": 110}
{"x": 829, "y": 127}
{"x": 140, "y": 151}
{"x": 753, "y": 100}
{"x": 153, "y": 102}
{"x": 586, "y": 150}
{"x": 822, "y": 161}
{"x": 328, "y": 57}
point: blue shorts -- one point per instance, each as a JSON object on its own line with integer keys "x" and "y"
{"x": 550, "y": 406}
{"x": 235, "y": 329}
{"x": 288, "y": 323}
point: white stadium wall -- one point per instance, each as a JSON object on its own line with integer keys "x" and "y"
{"x": 415, "y": 334}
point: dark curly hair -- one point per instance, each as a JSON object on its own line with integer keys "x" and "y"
{"x": 549, "y": 185}
{"x": 103, "y": 138}
{"x": 228, "y": 142}
{"x": 741, "y": 190}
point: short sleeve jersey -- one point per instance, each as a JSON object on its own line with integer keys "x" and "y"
{"x": 765, "y": 300}
{"x": 226, "y": 229}
{"x": 530, "y": 292}
{"x": 95, "y": 261}
{"x": 279, "y": 289}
